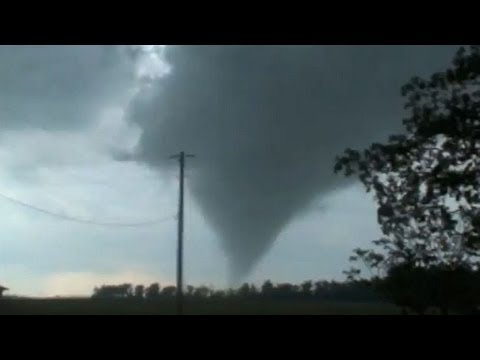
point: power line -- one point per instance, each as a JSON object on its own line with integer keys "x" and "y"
{"x": 86, "y": 221}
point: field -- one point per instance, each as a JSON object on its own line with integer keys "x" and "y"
{"x": 86, "y": 306}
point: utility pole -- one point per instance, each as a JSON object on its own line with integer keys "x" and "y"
{"x": 181, "y": 158}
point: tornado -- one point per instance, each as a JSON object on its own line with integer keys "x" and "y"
{"x": 265, "y": 124}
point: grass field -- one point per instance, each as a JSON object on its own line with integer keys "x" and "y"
{"x": 87, "y": 306}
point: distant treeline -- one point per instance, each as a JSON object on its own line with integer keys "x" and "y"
{"x": 321, "y": 290}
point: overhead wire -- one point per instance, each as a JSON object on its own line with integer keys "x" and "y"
{"x": 86, "y": 221}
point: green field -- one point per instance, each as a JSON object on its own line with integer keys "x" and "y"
{"x": 192, "y": 307}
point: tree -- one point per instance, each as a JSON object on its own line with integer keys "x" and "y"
{"x": 153, "y": 291}
{"x": 244, "y": 290}
{"x": 306, "y": 288}
{"x": 113, "y": 291}
{"x": 408, "y": 286}
{"x": 285, "y": 290}
{"x": 202, "y": 291}
{"x": 455, "y": 289}
{"x": 267, "y": 288}
{"x": 169, "y": 291}
{"x": 321, "y": 289}
{"x": 426, "y": 180}
{"x": 139, "y": 291}
{"x": 219, "y": 294}
{"x": 2, "y": 289}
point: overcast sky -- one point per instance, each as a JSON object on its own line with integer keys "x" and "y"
{"x": 70, "y": 116}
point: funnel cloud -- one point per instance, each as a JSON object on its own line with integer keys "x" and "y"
{"x": 265, "y": 124}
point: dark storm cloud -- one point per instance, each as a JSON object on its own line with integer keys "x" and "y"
{"x": 60, "y": 87}
{"x": 266, "y": 123}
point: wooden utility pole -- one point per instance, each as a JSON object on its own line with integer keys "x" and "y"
{"x": 181, "y": 158}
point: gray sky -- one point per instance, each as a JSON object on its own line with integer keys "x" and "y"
{"x": 69, "y": 114}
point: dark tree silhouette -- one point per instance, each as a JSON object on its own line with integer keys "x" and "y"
{"x": 321, "y": 288}
{"x": 113, "y": 291}
{"x": 426, "y": 183}
{"x": 285, "y": 291}
{"x": 408, "y": 286}
{"x": 2, "y": 290}
{"x": 306, "y": 288}
{"x": 324, "y": 290}
{"x": 153, "y": 291}
{"x": 139, "y": 291}
{"x": 218, "y": 294}
{"x": 454, "y": 289}
{"x": 267, "y": 288}
{"x": 202, "y": 291}
{"x": 169, "y": 291}
{"x": 244, "y": 290}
